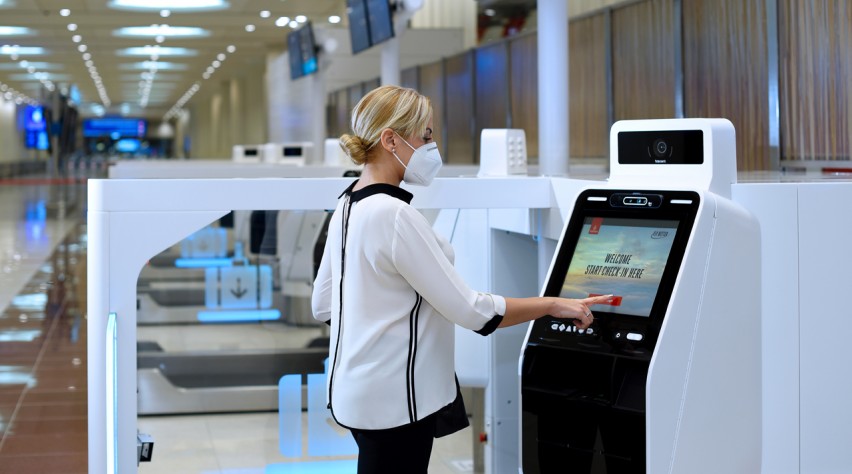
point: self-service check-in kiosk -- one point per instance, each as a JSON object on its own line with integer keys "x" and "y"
{"x": 667, "y": 379}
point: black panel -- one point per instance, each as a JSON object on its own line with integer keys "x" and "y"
{"x": 263, "y": 232}
{"x": 670, "y": 147}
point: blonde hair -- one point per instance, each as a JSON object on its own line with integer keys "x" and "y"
{"x": 403, "y": 110}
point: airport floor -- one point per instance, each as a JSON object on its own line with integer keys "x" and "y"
{"x": 43, "y": 388}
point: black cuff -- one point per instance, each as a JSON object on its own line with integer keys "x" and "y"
{"x": 491, "y": 325}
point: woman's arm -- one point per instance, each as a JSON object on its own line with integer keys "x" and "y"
{"x": 521, "y": 310}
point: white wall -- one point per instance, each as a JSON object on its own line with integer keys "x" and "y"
{"x": 228, "y": 113}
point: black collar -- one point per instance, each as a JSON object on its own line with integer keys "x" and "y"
{"x": 378, "y": 188}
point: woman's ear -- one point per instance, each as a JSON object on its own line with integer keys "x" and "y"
{"x": 387, "y": 140}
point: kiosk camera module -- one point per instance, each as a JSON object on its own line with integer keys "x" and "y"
{"x": 661, "y": 147}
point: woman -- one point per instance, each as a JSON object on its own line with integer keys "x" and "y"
{"x": 387, "y": 287}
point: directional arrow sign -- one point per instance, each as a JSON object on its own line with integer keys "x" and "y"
{"x": 238, "y": 287}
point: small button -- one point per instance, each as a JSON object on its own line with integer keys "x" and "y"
{"x": 590, "y": 331}
{"x": 581, "y": 331}
{"x": 635, "y": 336}
{"x": 554, "y": 326}
{"x": 617, "y": 335}
{"x": 561, "y": 327}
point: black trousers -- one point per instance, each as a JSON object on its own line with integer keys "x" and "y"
{"x": 404, "y": 449}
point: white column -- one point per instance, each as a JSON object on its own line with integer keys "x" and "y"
{"x": 390, "y": 60}
{"x": 553, "y": 87}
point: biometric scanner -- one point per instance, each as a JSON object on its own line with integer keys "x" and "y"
{"x": 667, "y": 379}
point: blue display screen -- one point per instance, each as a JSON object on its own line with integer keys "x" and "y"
{"x": 127, "y": 145}
{"x": 115, "y": 127}
{"x": 302, "y": 51}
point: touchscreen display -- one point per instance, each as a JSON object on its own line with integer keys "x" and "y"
{"x": 623, "y": 257}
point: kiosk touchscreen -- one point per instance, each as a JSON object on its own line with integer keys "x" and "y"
{"x": 629, "y": 244}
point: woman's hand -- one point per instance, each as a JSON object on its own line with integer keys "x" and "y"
{"x": 578, "y": 310}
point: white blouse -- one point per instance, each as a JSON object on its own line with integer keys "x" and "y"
{"x": 392, "y": 339}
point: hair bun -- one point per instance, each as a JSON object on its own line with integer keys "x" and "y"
{"x": 355, "y": 147}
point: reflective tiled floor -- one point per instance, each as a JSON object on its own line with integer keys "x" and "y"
{"x": 42, "y": 333}
{"x": 43, "y": 411}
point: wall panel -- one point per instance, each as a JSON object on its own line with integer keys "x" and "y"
{"x": 432, "y": 86}
{"x": 523, "y": 89}
{"x": 492, "y": 88}
{"x": 815, "y": 79}
{"x": 725, "y": 71}
{"x": 643, "y": 60}
{"x": 458, "y": 73}
{"x": 587, "y": 87}
{"x": 410, "y": 78}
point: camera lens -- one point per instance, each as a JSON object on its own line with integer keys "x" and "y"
{"x": 661, "y": 148}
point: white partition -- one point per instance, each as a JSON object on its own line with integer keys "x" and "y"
{"x": 132, "y": 220}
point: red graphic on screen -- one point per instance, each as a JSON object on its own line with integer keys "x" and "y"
{"x": 615, "y": 301}
{"x": 595, "y": 228}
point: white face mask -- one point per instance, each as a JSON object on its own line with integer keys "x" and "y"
{"x": 424, "y": 164}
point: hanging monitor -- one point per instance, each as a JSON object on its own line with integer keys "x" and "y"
{"x": 381, "y": 21}
{"x": 302, "y": 51}
{"x": 370, "y": 23}
{"x": 359, "y": 30}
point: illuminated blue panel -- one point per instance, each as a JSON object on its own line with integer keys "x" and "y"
{"x": 203, "y": 262}
{"x": 347, "y": 466}
{"x": 290, "y": 415}
{"x": 239, "y": 316}
{"x": 325, "y": 437}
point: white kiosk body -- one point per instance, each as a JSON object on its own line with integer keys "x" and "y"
{"x": 668, "y": 380}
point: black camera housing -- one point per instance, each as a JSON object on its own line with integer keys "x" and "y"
{"x": 665, "y": 147}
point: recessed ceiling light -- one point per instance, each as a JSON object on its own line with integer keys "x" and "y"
{"x": 301, "y": 18}
{"x": 146, "y": 65}
{"x": 82, "y": 48}
{"x": 14, "y": 51}
{"x": 87, "y": 56}
{"x": 294, "y": 24}
{"x": 183, "y": 5}
{"x": 249, "y": 28}
{"x": 15, "y": 31}
{"x": 231, "y": 48}
{"x": 216, "y": 64}
{"x": 160, "y": 39}
{"x": 9, "y": 66}
{"x": 161, "y": 30}
{"x": 282, "y": 21}
{"x": 65, "y": 12}
{"x": 165, "y": 13}
{"x": 72, "y": 27}
{"x": 76, "y": 38}
{"x": 158, "y": 50}
{"x": 265, "y": 14}
{"x": 221, "y": 56}
{"x": 334, "y": 19}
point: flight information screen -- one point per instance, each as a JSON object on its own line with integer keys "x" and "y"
{"x": 624, "y": 257}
